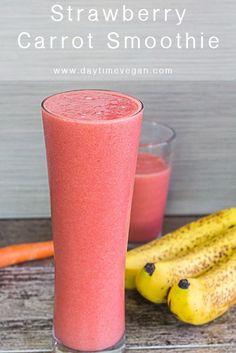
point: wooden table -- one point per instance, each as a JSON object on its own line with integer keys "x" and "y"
{"x": 26, "y": 302}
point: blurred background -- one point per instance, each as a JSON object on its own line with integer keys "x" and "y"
{"x": 198, "y": 100}
{"x": 202, "y": 113}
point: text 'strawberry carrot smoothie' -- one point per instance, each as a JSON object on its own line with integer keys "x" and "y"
{"x": 149, "y": 198}
{"x": 92, "y": 140}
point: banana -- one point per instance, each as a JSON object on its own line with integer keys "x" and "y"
{"x": 178, "y": 242}
{"x": 198, "y": 301}
{"x": 154, "y": 281}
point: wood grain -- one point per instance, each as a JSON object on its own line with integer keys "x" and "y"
{"x": 203, "y": 115}
{"x": 218, "y": 349}
{"x": 26, "y": 302}
{"x": 213, "y": 349}
{"x": 30, "y": 230}
{"x": 26, "y": 317}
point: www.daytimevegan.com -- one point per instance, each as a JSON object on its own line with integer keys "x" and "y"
{"x": 112, "y": 71}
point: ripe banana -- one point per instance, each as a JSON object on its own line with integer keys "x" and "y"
{"x": 178, "y": 242}
{"x": 155, "y": 280}
{"x": 200, "y": 300}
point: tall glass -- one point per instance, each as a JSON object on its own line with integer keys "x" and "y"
{"x": 92, "y": 139}
{"x": 151, "y": 182}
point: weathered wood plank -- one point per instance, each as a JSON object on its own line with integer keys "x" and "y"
{"x": 20, "y": 231}
{"x": 27, "y": 230}
{"x": 218, "y": 349}
{"x": 150, "y": 325}
{"x": 26, "y": 296}
{"x": 193, "y": 349}
{"x": 26, "y": 305}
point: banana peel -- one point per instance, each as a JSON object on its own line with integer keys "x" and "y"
{"x": 178, "y": 243}
{"x": 198, "y": 301}
{"x": 154, "y": 281}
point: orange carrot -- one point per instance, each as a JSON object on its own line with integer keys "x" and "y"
{"x": 14, "y": 254}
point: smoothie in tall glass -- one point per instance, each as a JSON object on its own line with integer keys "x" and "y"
{"x": 92, "y": 139}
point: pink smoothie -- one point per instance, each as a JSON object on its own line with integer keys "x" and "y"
{"x": 92, "y": 140}
{"x": 149, "y": 198}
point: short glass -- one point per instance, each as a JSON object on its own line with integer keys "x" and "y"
{"x": 151, "y": 182}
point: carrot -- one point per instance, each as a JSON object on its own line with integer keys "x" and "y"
{"x": 14, "y": 254}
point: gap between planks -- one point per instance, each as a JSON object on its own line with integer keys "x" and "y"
{"x": 192, "y": 347}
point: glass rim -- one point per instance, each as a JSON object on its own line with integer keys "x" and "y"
{"x": 140, "y": 110}
{"x": 163, "y": 143}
